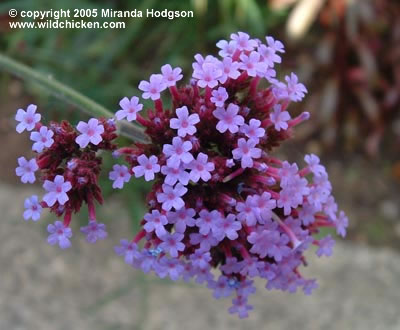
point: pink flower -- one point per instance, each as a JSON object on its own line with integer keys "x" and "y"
{"x": 129, "y": 108}
{"x": 279, "y": 118}
{"x": 26, "y": 169}
{"x": 227, "y": 48}
{"x": 170, "y": 197}
{"x": 120, "y": 174}
{"x": 185, "y": 124}
{"x": 27, "y": 119}
{"x": 91, "y": 132}
{"x": 246, "y": 151}
{"x": 171, "y": 76}
{"x": 252, "y": 65}
{"x": 228, "y": 119}
{"x": 147, "y": 167}
{"x": 201, "y": 168}
{"x": 208, "y": 74}
{"x": 153, "y": 88}
{"x": 208, "y": 221}
{"x": 56, "y": 191}
{"x": 178, "y": 152}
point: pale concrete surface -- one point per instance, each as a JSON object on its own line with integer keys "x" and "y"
{"x": 88, "y": 287}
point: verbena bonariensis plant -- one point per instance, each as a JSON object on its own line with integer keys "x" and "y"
{"x": 220, "y": 199}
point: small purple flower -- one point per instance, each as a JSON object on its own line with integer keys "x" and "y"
{"x": 227, "y": 48}
{"x": 201, "y": 168}
{"x": 269, "y": 242}
{"x": 181, "y": 219}
{"x": 294, "y": 90}
{"x": 26, "y": 169}
{"x": 243, "y": 41}
{"x": 91, "y": 132}
{"x": 342, "y": 222}
{"x": 205, "y": 241}
{"x": 56, "y": 191}
{"x": 147, "y": 167}
{"x": 129, "y": 108}
{"x": 219, "y": 97}
{"x": 120, "y": 174}
{"x": 207, "y": 74}
{"x": 252, "y": 65}
{"x": 129, "y": 250}
{"x": 94, "y": 231}
{"x": 313, "y": 164}
{"x": 253, "y": 130}
{"x": 221, "y": 287}
{"x": 155, "y": 221}
{"x": 227, "y": 227}
{"x": 279, "y": 118}
{"x": 170, "y": 197}
{"x": 27, "y": 119}
{"x": 172, "y": 244}
{"x": 241, "y": 307}
{"x": 43, "y": 139}
{"x": 309, "y": 286}
{"x": 169, "y": 266}
{"x": 185, "y": 124}
{"x": 171, "y": 76}
{"x": 200, "y": 259}
{"x": 178, "y": 152}
{"x": 59, "y": 234}
{"x": 275, "y": 45}
{"x": 246, "y": 212}
{"x": 33, "y": 209}
{"x": 228, "y": 119}
{"x": 173, "y": 175}
{"x": 229, "y": 68}
{"x": 246, "y": 151}
{"x": 153, "y": 88}
{"x": 325, "y": 246}
{"x": 263, "y": 206}
{"x": 208, "y": 221}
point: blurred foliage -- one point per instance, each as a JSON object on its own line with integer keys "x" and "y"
{"x": 348, "y": 54}
{"x": 107, "y": 64}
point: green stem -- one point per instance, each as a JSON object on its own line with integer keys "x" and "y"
{"x": 69, "y": 95}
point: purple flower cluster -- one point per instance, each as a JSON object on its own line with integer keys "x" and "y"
{"x": 220, "y": 199}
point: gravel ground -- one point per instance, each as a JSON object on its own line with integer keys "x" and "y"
{"x": 88, "y": 287}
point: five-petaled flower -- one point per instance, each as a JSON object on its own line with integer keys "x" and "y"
{"x": 56, "y": 191}
{"x": 43, "y": 139}
{"x": 33, "y": 208}
{"x": 59, "y": 234}
{"x": 147, "y": 167}
{"x": 27, "y": 119}
{"x": 120, "y": 175}
{"x": 228, "y": 118}
{"x": 26, "y": 169}
{"x": 185, "y": 124}
{"x": 90, "y": 132}
{"x": 94, "y": 231}
{"x": 152, "y": 89}
{"x": 129, "y": 108}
